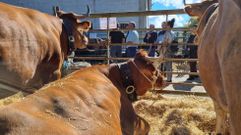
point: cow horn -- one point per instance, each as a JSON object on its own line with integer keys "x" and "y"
{"x": 184, "y": 2}
{"x": 57, "y": 11}
{"x": 88, "y": 11}
{"x": 85, "y": 15}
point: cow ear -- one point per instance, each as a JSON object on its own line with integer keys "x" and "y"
{"x": 141, "y": 53}
{"x": 62, "y": 14}
{"x": 85, "y": 25}
{"x": 188, "y": 10}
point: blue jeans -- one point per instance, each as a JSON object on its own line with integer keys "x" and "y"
{"x": 115, "y": 51}
{"x": 168, "y": 67}
{"x": 152, "y": 51}
{"x": 131, "y": 51}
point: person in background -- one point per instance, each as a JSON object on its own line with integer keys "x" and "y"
{"x": 116, "y": 36}
{"x": 165, "y": 38}
{"x": 150, "y": 38}
{"x": 192, "y": 49}
{"x": 132, "y": 37}
{"x": 160, "y": 37}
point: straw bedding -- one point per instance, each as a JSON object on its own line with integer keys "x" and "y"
{"x": 177, "y": 115}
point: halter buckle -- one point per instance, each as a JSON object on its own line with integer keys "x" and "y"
{"x": 71, "y": 38}
{"x": 130, "y": 89}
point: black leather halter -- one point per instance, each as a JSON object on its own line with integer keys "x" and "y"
{"x": 68, "y": 27}
{"x": 127, "y": 81}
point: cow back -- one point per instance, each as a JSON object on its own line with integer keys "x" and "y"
{"x": 74, "y": 104}
{"x": 28, "y": 38}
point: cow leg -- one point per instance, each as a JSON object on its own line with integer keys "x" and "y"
{"x": 56, "y": 74}
{"x": 55, "y": 69}
{"x": 221, "y": 116}
{"x": 233, "y": 92}
{"x": 232, "y": 84}
{"x": 142, "y": 127}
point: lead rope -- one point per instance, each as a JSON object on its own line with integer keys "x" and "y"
{"x": 154, "y": 76}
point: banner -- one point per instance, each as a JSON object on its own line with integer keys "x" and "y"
{"x": 112, "y": 23}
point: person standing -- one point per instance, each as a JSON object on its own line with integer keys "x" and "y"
{"x": 150, "y": 38}
{"x": 165, "y": 38}
{"x": 116, "y": 37}
{"x": 132, "y": 38}
{"x": 192, "y": 49}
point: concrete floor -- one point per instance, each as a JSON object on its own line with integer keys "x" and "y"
{"x": 180, "y": 79}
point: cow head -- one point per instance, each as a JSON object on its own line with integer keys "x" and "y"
{"x": 145, "y": 73}
{"x": 198, "y": 9}
{"x": 74, "y": 28}
{"x": 203, "y": 11}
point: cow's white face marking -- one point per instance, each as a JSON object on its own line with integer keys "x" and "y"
{"x": 81, "y": 39}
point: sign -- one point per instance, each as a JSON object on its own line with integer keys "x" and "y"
{"x": 112, "y": 23}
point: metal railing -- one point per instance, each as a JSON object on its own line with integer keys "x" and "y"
{"x": 145, "y": 13}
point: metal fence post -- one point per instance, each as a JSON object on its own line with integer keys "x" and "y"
{"x": 108, "y": 43}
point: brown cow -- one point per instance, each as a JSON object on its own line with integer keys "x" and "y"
{"x": 91, "y": 101}
{"x": 33, "y": 45}
{"x": 219, "y": 61}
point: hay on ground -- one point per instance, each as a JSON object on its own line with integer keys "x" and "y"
{"x": 177, "y": 115}
{"x": 15, "y": 98}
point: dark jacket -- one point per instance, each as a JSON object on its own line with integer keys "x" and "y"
{"x": 152, "y": 39}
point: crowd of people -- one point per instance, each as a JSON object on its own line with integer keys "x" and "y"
{"x": 157, "y": 43}
{"x": 153, "y": 39}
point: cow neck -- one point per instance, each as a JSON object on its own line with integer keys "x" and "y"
{"x": 206, "y": 16}
{"x": 67, "y": 26}
{"x": 121, "y": 78}
{"x": 127, "y": 81}
{"x": 124, "y": 80}
{"x": 63, "y": 41}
